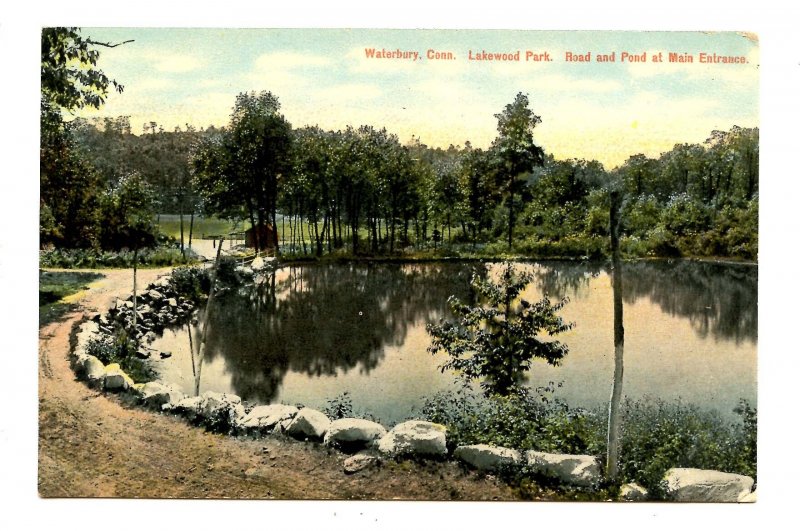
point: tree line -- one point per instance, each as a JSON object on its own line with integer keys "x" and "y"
{"x": 359, "y": 190}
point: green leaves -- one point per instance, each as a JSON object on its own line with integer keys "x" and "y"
{"x": 496, "y": 340}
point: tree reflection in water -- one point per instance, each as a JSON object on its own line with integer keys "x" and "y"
{"x": 324, "y": 320}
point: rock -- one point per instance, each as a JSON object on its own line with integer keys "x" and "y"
{"x": 155, "y": 295}
{"x": 696, "y": 485}
{"x": 486, "y": 457}
{"x": 416, "y": 437}
{"x": 359, "y": 462}
{"x": 221, "y": 411}
{"x": 750, "y": 497}
{"x": 578, "y": 470}
{"x": 265, "y": 418}
{"x": 143, "y": 354}
{"x": 115, "y": 379}
{"x": 353, "y": 432}
{"x": 165, "y": 355}
{"x": 189, "y": 407}
{"x": 244, "y": 270}
{"x": 633, "y": 492}
{"x": 156, "y": 394}
{"x": 90, "y": 369}
{"x": 308, "y": 423}
{"x": 172, "y": 302}
{"x": 257, "y": 263}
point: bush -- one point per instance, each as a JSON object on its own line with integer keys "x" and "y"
{"x": 120, "y": 348}
{"x": 657, "y": 436}
{"x": 193, "y": 283}
{"x": 91, "y": 258}
{"x": 527, "y": 420}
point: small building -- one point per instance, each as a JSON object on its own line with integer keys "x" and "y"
{"x": 267, "y": 237}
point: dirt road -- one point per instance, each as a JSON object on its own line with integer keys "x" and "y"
{"x": 94, "y": 445}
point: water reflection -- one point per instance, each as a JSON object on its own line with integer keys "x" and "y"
{"x": 322, "y": 320}
{"x": 308, "y": 333}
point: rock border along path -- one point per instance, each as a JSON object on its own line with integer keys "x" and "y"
{"x": 161, "y": 307}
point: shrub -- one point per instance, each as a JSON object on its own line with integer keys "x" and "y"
{"x": 120, "y": 348}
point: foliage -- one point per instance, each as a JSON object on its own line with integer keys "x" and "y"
{"x": 658, "y": 435}
{"x": 497, "y": 340}
{"x": 90, "y": 258}
{"x": 339, "y": 407}
{"x": 526, "y": 420}
{"x": 120, "y": 348}
{"x": 193, "y": 283}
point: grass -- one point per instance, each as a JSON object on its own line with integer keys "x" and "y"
{"x": 54, "y": 287}
{"x": 170, "y": 225}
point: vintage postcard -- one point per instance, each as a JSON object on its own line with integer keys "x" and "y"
{"x": 353, "y": 264}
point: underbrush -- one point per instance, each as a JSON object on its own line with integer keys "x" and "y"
{"x": 91, "y": 259}
{"x": 656, "y": 435}
{"x": 120, "y": 348}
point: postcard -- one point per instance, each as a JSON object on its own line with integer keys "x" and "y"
{"x": 376, "y": 264}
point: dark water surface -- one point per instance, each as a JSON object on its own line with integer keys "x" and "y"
{"x": 313, "y": 332}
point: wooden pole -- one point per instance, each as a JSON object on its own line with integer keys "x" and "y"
{"x": 612, "y": 461}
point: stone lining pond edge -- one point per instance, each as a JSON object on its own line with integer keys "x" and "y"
{"x": 225, "y": 413}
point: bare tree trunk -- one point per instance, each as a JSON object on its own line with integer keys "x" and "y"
{"x": 612, "y": 460}
{"x": 204, "y": 332}
{"x": 135, "y": 259}
{"x": 191, "y": 228}
{"x": 180, "y": 214}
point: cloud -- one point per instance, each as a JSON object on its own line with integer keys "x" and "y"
{"x": 289, "y": 60}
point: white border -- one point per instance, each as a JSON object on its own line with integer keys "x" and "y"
{"x": 780, "y": 53}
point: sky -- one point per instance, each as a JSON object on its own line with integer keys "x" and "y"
{"x": 605, "y": 111}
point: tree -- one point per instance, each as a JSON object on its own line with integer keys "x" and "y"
{"x": 69, "y": 186}
{"x": 497, "y": 340}
{"x": 240, "y": 169}
{"x": 514, "y": 148}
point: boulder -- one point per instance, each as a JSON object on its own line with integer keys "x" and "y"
{"x": 189, "y": 407}
{"x": 115, "y": 379}
{"x": 359, "y": 462}
{"x": 485, "y": 457}
{"x": 155, "y": 295}
{"x": 266, "y": 418}
{"x": 750, "y": 497}
{"x": 353, "y": 432}
{"x": 308, "y": 423}
{"x": 172, "y": 302}
{"x": 417, "y": 437}
{"x": 633, "y": 492}
{"x": 90, "y": 369}
{"x": 156, "y": 394}
{"x": 696, "y": 485}
{"x": 577, "y": 470}
{"x": 221, "y": 411}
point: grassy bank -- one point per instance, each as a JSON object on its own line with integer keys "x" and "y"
{"x": 54, "y": 287}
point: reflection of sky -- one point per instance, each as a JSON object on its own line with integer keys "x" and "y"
{"x": 605, "y": 111}
{"x": 665, "y": 356}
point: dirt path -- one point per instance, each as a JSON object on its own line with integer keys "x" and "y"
{"x": 94, "y": 445}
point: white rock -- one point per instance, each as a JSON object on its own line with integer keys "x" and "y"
{"x": 267, "y": 417}
{"x": 486, "y": 457}
{"x": 750, "y": 497}
{"x": 633, "y": 492}
{"x": 416, "y": 437}
{"x": 578, "y": 470}
{"x": 359, "y": 462}
{"x": 189, "y": 407}
{"x": 155, "y": 295}
{"x": 90, "y": 369}
{"x": 115, "y": 379}
{"x": 172, "y": 302}
{"x": 309, "y": 423}
{"x": 696, "y": 485}
{"x": 354, "y": 431}
{"x": 156, "y": 394}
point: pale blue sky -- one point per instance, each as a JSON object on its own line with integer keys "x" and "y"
{"x": 605, "y": 111}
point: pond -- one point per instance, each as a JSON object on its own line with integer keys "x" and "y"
{"x": 312, "y": 332}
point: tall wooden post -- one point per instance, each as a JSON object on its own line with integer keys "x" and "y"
{"x": 612, "y": 460}
{"x": 135, "y": 260}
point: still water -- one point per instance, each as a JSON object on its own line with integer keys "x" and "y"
{"x": 312, "y": 332}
